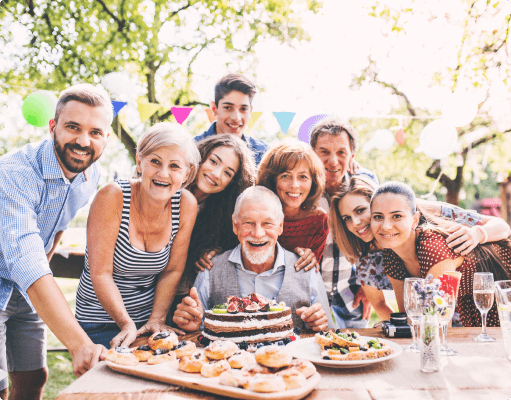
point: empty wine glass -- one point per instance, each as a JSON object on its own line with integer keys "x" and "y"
{"x": 483, "y": 298}
{"x": 444, "y": 317}
{"x": 413, "y": 309}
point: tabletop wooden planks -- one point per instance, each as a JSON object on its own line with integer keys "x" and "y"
{"x": 455, "y": 336}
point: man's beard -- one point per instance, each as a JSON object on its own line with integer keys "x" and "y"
{"x": 257, "y": 257}
{"x": 71, "y": 164}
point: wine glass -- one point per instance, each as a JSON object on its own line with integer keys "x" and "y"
{"x": 413, "y": 309}
{"x": 444, "y": 317}
{"x": 483, "y": 298}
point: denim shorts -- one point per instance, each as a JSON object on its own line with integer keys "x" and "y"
{"x": 103, "y": 333}
{"x": 22, "y": 338}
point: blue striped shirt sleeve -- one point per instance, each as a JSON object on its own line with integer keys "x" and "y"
{"x": 21, "y": 244}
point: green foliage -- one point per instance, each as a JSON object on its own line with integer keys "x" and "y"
{"x": 53, "y": 44}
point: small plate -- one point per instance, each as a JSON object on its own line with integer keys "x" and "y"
{"x": 309, "y": 350}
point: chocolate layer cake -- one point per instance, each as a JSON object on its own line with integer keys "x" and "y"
{"x": 250, "y": 327}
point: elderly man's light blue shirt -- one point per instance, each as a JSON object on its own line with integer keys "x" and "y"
{"x": 36, "y": 202}
{"x": 267, "y": 283}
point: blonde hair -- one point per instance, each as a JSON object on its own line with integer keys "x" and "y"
{"x": 285, "y": 157}
{"x": 166, "y": 134}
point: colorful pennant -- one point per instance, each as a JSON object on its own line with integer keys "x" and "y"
{"x": 253, "y": 119}
{"x": 147, "y": 109}
{"x": 118, "y": 105}
{"x": 181, "y": 113}
{"x": 284, "y": 119}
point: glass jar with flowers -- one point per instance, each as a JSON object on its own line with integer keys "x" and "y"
{"x": 433, "y": 304}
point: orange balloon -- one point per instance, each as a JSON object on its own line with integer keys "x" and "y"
{"x": 400, "y": 136}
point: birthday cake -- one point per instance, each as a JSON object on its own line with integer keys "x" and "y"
{"x": 252, "y": 319}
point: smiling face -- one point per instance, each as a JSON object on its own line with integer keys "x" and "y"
{"x": 336, "y": 155}
{"x": 294, "y": 186}
{"x": 392, "y": 221}
{"x": 258, "y": 228}
{"x": 217, "y": 171}
{"x": 79, "y": 136}
{"x": 232, "y": 113}
{"x": 355, "y": 212}
{"x": 163, "y": 172}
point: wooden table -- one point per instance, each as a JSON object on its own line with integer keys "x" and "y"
{"x": 476, "y": 382}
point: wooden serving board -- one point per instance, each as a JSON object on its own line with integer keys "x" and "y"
{"x": 168, "y": 373}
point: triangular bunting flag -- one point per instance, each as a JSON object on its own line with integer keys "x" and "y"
{"x": 284, "y": 119}
{"x": 253, "y": 119}
{"x": 147, "y": 109}
{"x": 117, "y": 105}
{"x": 211, "y": 116}
{"x": 181, "y": 113}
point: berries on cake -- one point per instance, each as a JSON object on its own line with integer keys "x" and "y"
{"x": 251, "y": 319}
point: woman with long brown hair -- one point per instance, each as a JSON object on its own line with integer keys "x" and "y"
{"x": 351, "y": 219}
{"x": 413, "y": 247}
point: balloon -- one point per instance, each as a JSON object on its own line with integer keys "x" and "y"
{"x": 39, "y": 107}
{"x": 459, "y": 109}
{"x": 438, "y": 139}
{"x": 400, "y": 136}
{"x": 304, "y": 133}
{"x": 382, "y": 139}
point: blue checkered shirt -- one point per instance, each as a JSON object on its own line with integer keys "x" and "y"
{"x": 258, "y": 147}
{"x": 36, "y": 202}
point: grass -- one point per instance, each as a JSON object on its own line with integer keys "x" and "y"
{"x": 59, "y": 363}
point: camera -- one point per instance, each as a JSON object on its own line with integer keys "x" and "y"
{"x": 397, "y": 327}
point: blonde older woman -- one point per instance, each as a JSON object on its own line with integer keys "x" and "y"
{"x": 138, "y": 234}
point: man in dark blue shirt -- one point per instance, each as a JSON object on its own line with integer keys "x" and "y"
{"x": 232, "y": 108}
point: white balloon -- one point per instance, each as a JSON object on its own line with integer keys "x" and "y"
{"x": 383, "y": 139}
{"x": 438, "y": 139}
{"x": 459, "y": 109}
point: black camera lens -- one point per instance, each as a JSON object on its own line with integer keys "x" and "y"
{"x": 398, "y": 319}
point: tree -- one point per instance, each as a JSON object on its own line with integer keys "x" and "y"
{"x": 480, "y": 60}
{"x": 53, "y": 44}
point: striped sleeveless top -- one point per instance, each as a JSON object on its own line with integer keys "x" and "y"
{"x": 135, "y": 271}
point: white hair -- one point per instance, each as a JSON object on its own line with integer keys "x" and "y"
{"x": 259, "y": 193}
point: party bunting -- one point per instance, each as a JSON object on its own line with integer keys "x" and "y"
{"x": 118, "y": 105}
{"x": 253, "y": 119}
{"x": 284, "y": 119}
{"x": 210, "y": 114}
{"x": 147, "y": 109}
{"x": 181, "y": 113}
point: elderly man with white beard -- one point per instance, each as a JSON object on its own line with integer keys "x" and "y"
{"x": 258, "y": 264}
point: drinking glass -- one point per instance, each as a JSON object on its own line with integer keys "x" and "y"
{"x": 444, "y": 317}
{"x": 503, "y": 298}
{"x": 413, "y": 309}
{"x": 484, "y": 292}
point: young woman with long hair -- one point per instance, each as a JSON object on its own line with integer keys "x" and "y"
{"x": 414, "y": 247}
{"x": 351, "y": 218}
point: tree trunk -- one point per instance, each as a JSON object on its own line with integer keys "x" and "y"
{"x": 125, "y": 139}
{"x": 452, "y": 196}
